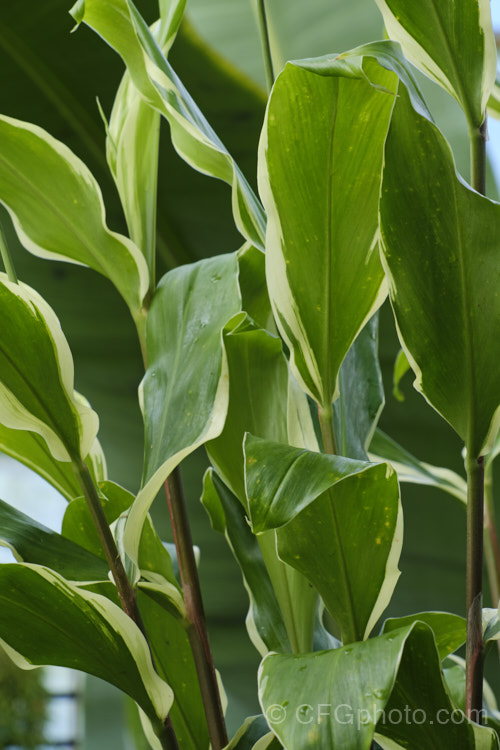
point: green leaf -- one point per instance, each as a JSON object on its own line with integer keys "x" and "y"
{"x": 259, "y": 401}
{"x": 254, "y": 734}
{"x": 317, "y": 111}
{"x": 120, "y": 24}
{"x": 47, "y": 620}
{"x": 31, "y": 450}
{"x": 410, "y": 469}
{"x": 342, "y": 524}
{"x": 338, "y": 699}
{"x": 452, "y": 42}
{"x": 184, "y": 393}
{"x": 32, "y": 542}
{"x": 57, "y": 209}
{"x": 361, "y": 400}
{"x": 401, "y": 367}
{"x": 494, "y": 101}
{"x": 174, "y": 660}
{"x": 491, "y": 624}
{"x": 264, "y": 620}
{"x": 252, "y": 281}
{"x": 449, "y": 630}
{"x": 132, "y": 145}
{"x": 440, "y": 250}
{"x": 454, "y": 675}
{"x": 36, "y": 376}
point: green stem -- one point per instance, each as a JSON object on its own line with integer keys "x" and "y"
{"x": 474, "y": 644}
{"x": 327, "y": 432}
{"x": 474, "y": 651}
{"x": 266, "y": 43}
{"x": 7, "y": 259}
{"x": 197, "y": 629}
{"x": 491, "y": 546}
{"x": 478, "y": 138}
{"x": 124, "y": 588}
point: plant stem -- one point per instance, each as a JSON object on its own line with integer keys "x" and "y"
{"x": 474, "y": 655}
{"x": 478, "y": 138}
{"x": 474, "y": 644}
{"x": 6, "y": 258}
{"x": 491, "y": 546}
{"x": 327, "y": 431}
{"x": 266, "y": 43}
{"x": 197, "y": 630}
{"x": 124, "y": 588}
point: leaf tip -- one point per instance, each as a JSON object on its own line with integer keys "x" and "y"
{"x": 77, "y": 12}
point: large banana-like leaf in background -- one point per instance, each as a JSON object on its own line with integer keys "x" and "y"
{"x": 324, "y": 129}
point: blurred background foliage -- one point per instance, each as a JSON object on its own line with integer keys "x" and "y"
{"x": 52, "y": 78}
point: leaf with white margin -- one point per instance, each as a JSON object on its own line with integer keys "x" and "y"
{"x": 47, "y": 620}
{"x": 452, "y": 42}
{"x": 36, "y": 376}
{"x": 122, "y": 27}
{"x": 132, "y": 144}
{"x": 339, "y": 522}
{"x": 184, "y": 393}
{"x": 338, "y": 699}
{"x": 325, "y": 127}
{"x": 32, "y": 451}
{"x": 440, "y": 252}
{"x": 410, "y": 469}
{"x": 58, "y": 212}
{"x": 32, "y": 542}
{"x": 264, "y": 620}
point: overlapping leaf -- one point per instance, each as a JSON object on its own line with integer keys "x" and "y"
{"x": 185, "y": 391}
{"x": 338, "y": 521}
{"x": 339, "y": 699}
{"x": 47, "y": 620}
{"x": 120, "y": 24}
{"x": 36, "y": 376}
{"x": 57, "y": 209}
{"x": 325, "y": 128}
{"x": 441, "y": 250}
{"x": 452, "y": 42}
{"x": 132, "y": 145}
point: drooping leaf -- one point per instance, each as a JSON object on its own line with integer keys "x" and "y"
{"x": 325, "y": 127}
{"x": 338, "y": 521}
{"x": 361, "y": 400}
{"x": 338, "y": 699}
{"x": 31, "y": 450}
{"x": 184, "y": 393}
{"x": 32, "y": 542}
{"x": 132, "y": 145}
{"x": 57, "y": 209}
{"x": 252, "y": 281}
{"x": 36, "y": 376}
{"x": 47, "y": 620}
{"x": 440, "y": 250}
{"x": 449, "y": 630}
{"x": 264, "y": 620}
{"x": 120, "y": 24}
{"x": 454, "y": 675}
{"x": 452, "y": 42}
{"x": 410, "y": 469}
